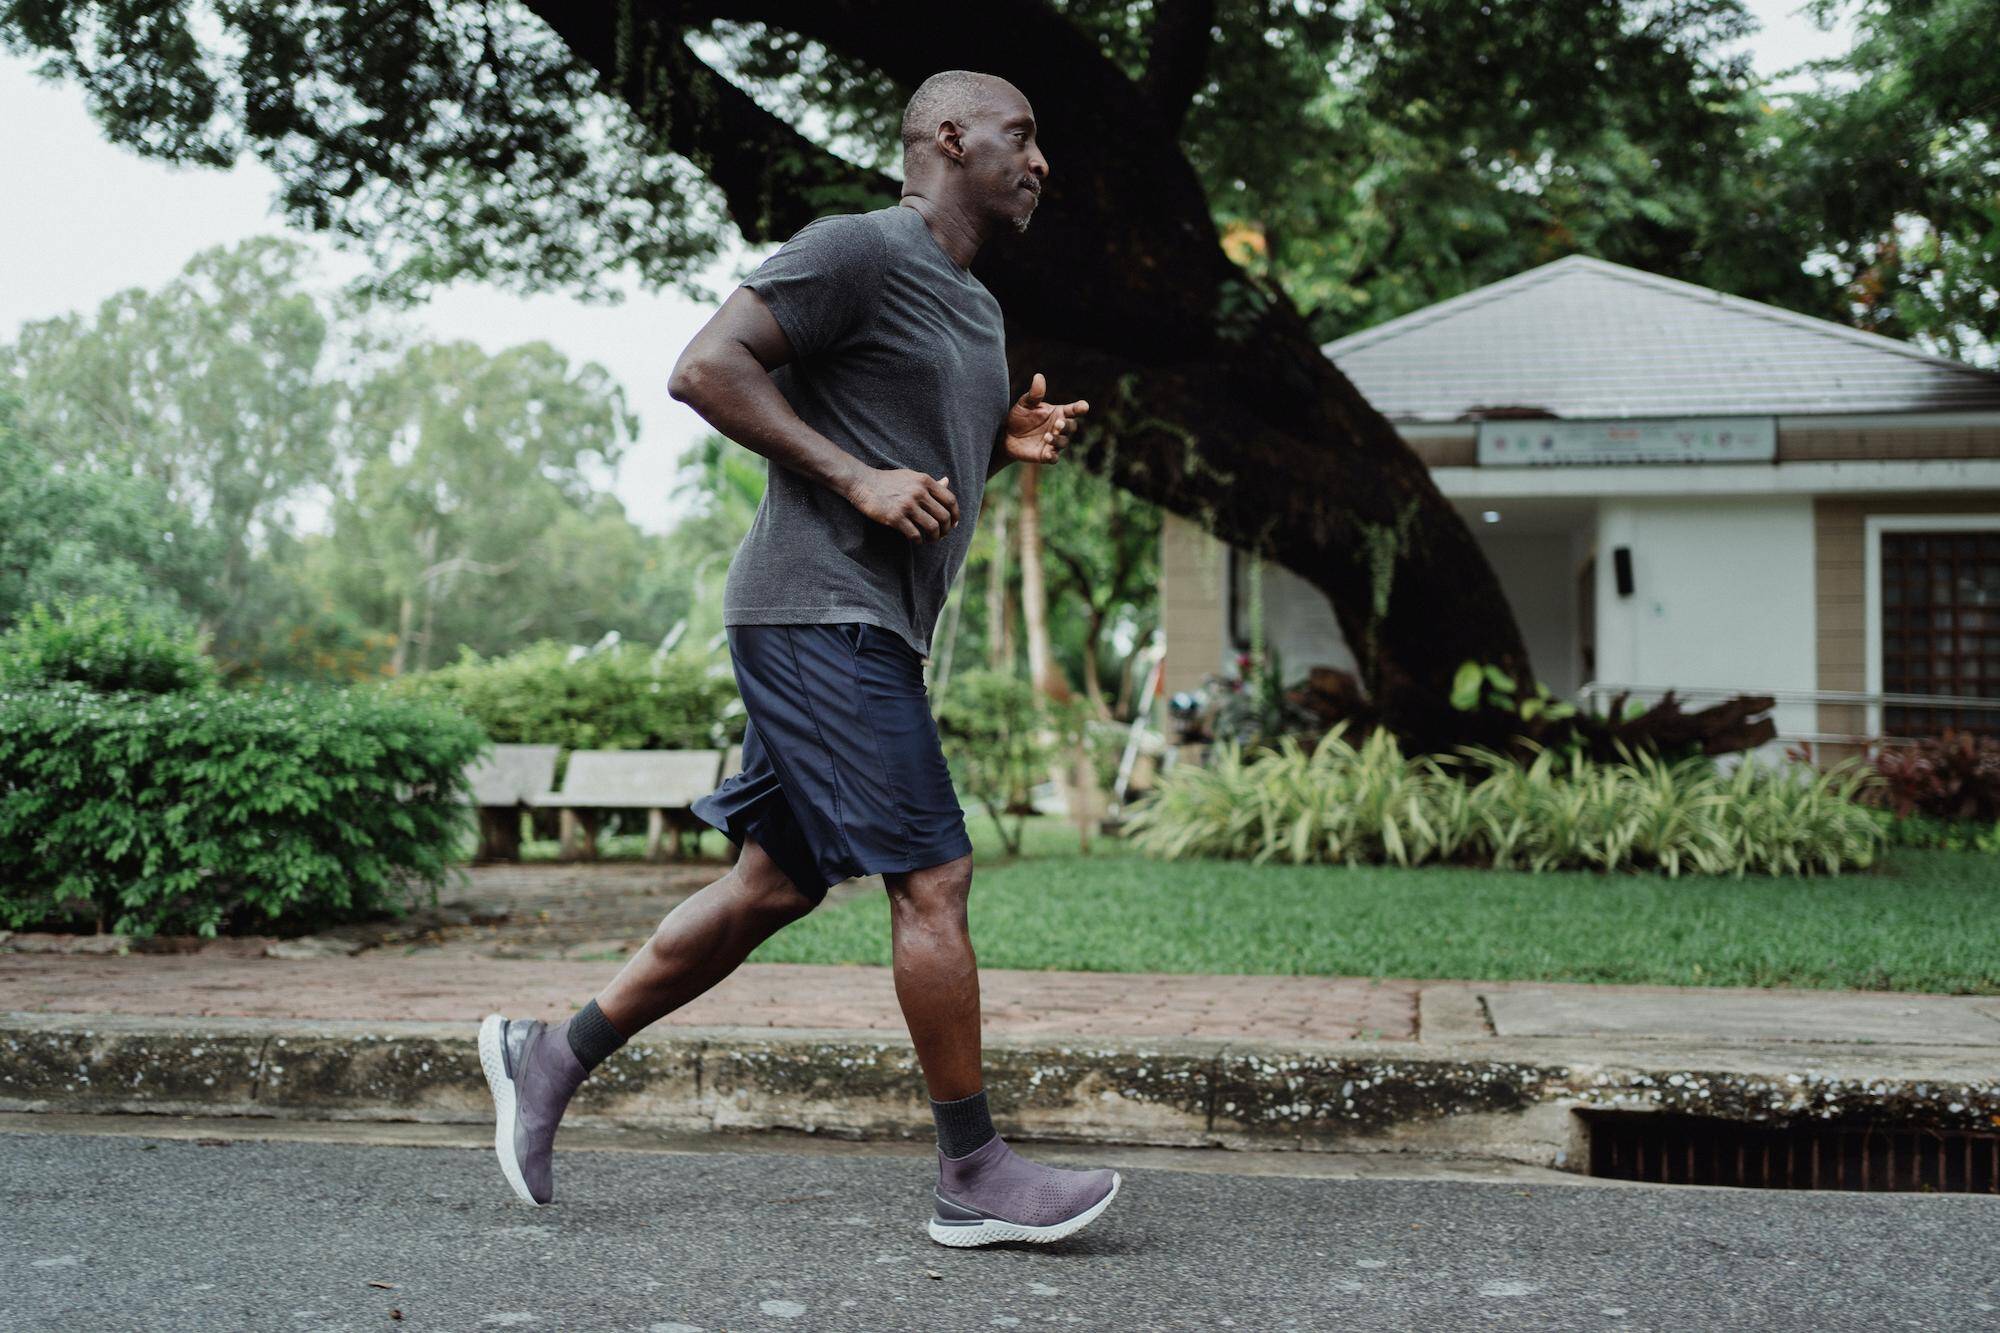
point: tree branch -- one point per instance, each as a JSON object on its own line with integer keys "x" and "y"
{"x": 773, "y": 179}
{"x": 1079, "y": 574}
{"x": 1135, "y": 196}
{"x": 1177, "y": 64}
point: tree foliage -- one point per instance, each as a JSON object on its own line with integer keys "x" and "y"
{"x": 210, "y": 392}
{"x": 466, "y": 466}
{"x": 68, "y": 533}
{"x": 1891, "y": 169}
{"x": 160, "y": 451}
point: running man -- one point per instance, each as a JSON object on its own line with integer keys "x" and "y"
{"x": 868, "y": 364}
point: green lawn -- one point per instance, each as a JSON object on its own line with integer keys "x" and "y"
{"x": 1920, "y": 921}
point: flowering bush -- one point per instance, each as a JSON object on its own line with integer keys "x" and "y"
{"x": 1955, "y": 776}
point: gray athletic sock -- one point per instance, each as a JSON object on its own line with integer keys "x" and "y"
{"x": 963, "y": 1125}
{"x": 592, "y": 1037}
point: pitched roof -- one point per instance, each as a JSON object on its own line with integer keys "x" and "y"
{"x": 1583, "y": 337}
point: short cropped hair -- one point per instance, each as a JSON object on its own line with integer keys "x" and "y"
{"x": 955, "y": 94}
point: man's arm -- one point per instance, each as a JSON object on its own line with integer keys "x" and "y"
{"x": 724, "y": 373}
{"x": 1000, "y": 457}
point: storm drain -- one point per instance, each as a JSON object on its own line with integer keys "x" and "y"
{"x": 1669, "y": 1149}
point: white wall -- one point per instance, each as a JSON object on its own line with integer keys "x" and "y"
{"x": 1723, "y": 596}
{"x": 1537, "y": 572}
{"x": 1299, "y": 623}
{"x": 1538, "y": 576}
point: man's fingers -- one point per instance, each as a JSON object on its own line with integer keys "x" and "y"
{"x": 937, "y": 511}
{"x": 942, "y": 490}
{"x": 1036, "y": 388}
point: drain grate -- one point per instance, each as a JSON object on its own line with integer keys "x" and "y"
{"x": 1671, "y": 1149}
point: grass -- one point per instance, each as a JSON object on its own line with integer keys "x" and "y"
{"x": 1920, "y": 921}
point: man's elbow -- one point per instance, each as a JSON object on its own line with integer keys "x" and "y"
{"x": 692, "y": 381}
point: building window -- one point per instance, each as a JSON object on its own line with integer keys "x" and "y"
{"x": 1940, "y": 627}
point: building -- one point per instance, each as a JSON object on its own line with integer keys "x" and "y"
{"x": 1677, "y": 489}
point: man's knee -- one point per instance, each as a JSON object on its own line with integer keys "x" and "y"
{"x": 934, "y": 890}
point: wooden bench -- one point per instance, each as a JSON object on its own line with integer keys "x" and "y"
{"x": 663, "y": 783}
{"x": 504, "y": 785}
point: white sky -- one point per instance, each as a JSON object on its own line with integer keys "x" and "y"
{"x": 80, "y": 220}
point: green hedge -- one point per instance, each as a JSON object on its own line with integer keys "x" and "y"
{"x": 623, "y": 698}
{"x": 204, "y": 810}
{"x": 106, "y": 645}
{"x": 1340, "y": 803}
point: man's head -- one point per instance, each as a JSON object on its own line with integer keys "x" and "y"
{"x": 970, "y": 139}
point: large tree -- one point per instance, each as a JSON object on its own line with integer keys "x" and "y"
{"x": 473, "y": 516}
{"x": 212, "y": 388}
{"x": 555, "y": 143}
{"x": 1892, "y": 164}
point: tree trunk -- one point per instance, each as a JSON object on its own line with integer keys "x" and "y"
{"x": 1093, "y": 686}
{"x": 406, "y": 619}
{"x": 430, "y": 626}
{"x": 999, "y": 642}
{"x": 1209, "y": 396}
{"x": 427, "y": 544}
{"x": 1046, "y": 676}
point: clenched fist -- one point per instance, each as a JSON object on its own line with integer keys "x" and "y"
{"x": 916, "y": 504}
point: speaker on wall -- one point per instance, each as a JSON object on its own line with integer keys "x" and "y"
{"x": 1621, "y": 569}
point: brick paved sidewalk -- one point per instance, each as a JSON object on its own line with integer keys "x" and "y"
{"x": 378, "y": 985}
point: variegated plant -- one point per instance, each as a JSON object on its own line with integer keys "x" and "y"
{"x": 1340, "y": 802}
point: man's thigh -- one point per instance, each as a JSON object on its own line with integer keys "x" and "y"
{"x": 766, "y": 879}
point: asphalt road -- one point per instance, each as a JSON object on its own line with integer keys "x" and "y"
{"x": 124, "y": 1232}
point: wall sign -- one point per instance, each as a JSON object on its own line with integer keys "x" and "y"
{"x": 1658, "y": 440}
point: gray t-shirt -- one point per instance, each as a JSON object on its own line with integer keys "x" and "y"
{"x": 899, "y": 357}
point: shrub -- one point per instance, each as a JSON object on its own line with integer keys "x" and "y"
{"x": 105, "y": 645}
{"x": 1918, "y": 829}
{"x": 204, "y": 809}
{"x": 623, "y": 698}
{"x": 1340, "y": 803}
{"x": 1955, "y": 776}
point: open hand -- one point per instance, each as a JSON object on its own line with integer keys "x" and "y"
{"x": 1037, "y": 431}
{"x": 916, "y": 504}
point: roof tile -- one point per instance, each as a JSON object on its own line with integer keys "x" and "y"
{"x": 1582, "y": 337}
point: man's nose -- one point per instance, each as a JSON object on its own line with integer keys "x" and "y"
{"x": 1039, "y": 165}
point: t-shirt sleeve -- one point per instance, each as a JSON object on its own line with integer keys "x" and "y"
{"x": 821, "y": 283}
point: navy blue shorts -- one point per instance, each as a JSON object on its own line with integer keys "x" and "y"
{"x": 842, "y": 771}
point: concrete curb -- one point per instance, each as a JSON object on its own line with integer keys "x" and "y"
{"x": 1489, "y": 1098}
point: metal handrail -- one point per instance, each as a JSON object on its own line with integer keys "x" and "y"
{"x": 1588, "y": 693}
{"x": 1595, "y": 687}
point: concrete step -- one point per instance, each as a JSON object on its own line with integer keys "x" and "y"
{"x": 1475, "y": 1095}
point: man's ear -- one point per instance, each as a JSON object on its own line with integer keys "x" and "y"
{"x": 951, "y": 141}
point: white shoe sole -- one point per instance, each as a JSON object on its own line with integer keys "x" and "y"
{"x": 993, "y": 1230}
{"x": 492, "y": 1032}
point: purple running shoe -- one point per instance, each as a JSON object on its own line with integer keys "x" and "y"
{"x": 533, "y": 1073}
{"x": 993, "y": 1194}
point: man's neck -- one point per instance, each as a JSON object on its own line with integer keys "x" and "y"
{"x": 957, "y": 234}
